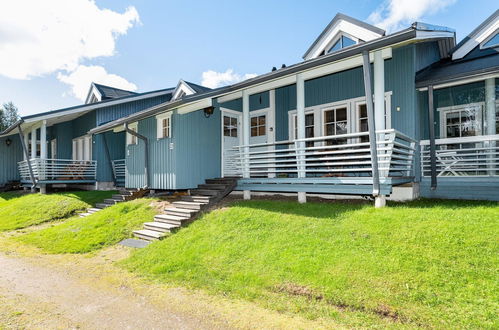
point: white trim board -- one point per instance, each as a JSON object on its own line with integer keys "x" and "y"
{"x": 476, "y": 39}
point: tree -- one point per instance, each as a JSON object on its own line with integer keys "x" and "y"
{"x": 9, "y": 115}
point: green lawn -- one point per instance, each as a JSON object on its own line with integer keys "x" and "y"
{"x": 23, "y": 210}
{"x": 104, "y": 228}
{"x": 424, "y": 263}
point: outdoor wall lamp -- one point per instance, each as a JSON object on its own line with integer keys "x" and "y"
{"x": 208, "y": 111}
{"x": 8, "y": 142}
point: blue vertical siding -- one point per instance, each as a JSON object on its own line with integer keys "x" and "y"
{"x": 9, "y": 157}
{"x": 83, "y": 124}
{"x": 285, "y": 100}
{"x": 110, "y": 113}
{"x": 116, "y": 146}
{"x": 259, "y": 101}
{"x": 236, "y": 105}
{"x": 63, "y": 132}
{"x": 427, "y": 53}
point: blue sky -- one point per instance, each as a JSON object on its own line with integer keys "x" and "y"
{"x": 160, "y": 42}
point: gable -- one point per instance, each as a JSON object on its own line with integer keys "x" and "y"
{"x": 484, "y": 37}
{"x": 343, "y": 31}
{"x": 182, "y": 90}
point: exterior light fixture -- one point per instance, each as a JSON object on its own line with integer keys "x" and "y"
{"x": 8, "y": 142}
{"x": 208, "y": 111}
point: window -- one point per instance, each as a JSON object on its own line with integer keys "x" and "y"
{"x": 230, "y": 126}
{"x": 492, "y": 42}
{"x": 336, "y": 123}
{"x": 164, "y": 124}
{"x": 309, "y": 127}
{"x": 463, "y": 121}
{"x": 131, "y": 139}
{"x": 342, "y": 42}
{"x": 363, "y": 124}
{"x": 258, "y": 126}
{"x": 82, "y": 148}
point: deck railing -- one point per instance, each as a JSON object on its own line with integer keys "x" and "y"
{"x": 463, "y": 157}
{"x": 347, "y": 155}
{"x": 58, "y": 170}
{"x": 119, "y": 170}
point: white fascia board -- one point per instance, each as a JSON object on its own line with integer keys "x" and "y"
{"x": 93, "y": 91}
{"x": 462, "y": 81}
{"x": 476, "y": 39}
{"x": 230, "y": 97}
{"x": 204, "y": 103}
{"x": 433, "y": 35}
{"x": 342, "y": 26}
{"x": 182, "y": 86}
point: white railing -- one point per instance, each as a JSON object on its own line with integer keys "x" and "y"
{"x": 119, "y": 169}
{"x": 464, "y": 157}
{"x": 346, "y": 155}
{"x": 58, "y": 170}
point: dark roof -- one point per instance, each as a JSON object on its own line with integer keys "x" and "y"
{"x": 447, "y": 71}
{"x": 108, "y": 92}
{"x": 476, "y": 30}
{"x": 197, "y": 88}
{"x": 347, "y": 18}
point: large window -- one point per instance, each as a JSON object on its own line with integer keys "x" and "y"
{"x": 461, "y": 121}
{"x": 82, "y": 148}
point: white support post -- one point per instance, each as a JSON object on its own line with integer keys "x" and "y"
{"x": 300, "y": 122}
{"x": 246, "y": 140}
{"x": 271, "y": 129}
{"x": 33, "y": 143}
{"x": 26, "y": 143}
{"x": 379, "y": 109}
{"x": 490, "y": 111}
{"x": 43, "y": 154}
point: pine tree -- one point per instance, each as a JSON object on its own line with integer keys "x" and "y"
{"x": 9, "y": 115}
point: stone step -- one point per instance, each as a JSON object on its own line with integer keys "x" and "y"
{"x": 119, "y": 197}
{"x": 197, "y": 199}
{"x": 82, "y": 215}
{"x": 160, "y": 226}
{"x": 125, "y": 193}
{"x": 172, "y": 219}
{"x": 188, "y": 205}
{"x": 111, "y": 201}
{"x": 213, "y": 186}
{"x": 93, "y": 210}
{"x": 205, "y": 192}
{"x": 148, "y": 235}
{"x": 102, "y": 205}
{"x": 180, "y": 212}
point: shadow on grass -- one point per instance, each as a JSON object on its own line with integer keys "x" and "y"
{"x": 11, "y": 195}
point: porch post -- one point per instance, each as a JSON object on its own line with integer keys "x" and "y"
{"x": 23, "y": 139}
{"x": 246, "y": 141}
{"x": 490, "y": 110}
{"x": 379, "y": 91}
{"x": 271, "y": 131}
{"x": 43, "y": 154}
{"x": 379, "y": 200}
{"x": 300, "y": 122}
{"x": 433, "y": 150}
{"x": 33, "y": 143}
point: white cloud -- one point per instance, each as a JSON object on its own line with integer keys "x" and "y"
{"x": 213, "y": 79}
{"x": 43, "y": 37}
{"x": 81, "y": 78}
{"x": 393, "y": 15}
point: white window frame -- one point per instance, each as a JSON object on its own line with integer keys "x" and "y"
{"x": 445, "y": 110}
{"x": 160, "y": 128}
{"x": 82, "y": 148}
{"x": 131, "y": 139}
{"x": 492, "y": 35}
{"x": 338, "y": 37}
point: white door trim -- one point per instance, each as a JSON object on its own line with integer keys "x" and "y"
{"x": 239, "y": 127}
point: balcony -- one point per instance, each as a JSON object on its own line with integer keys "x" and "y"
{"x": 50, "y": 171}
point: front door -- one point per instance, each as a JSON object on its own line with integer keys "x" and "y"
{"x": 259, "y": 135}
{"x": 231, "y": 130}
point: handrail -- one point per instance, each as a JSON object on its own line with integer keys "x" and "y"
{"x": 466, "y": 139}
{"x": 58, "y": 169}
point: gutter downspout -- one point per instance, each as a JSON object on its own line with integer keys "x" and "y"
{"x": 433, "y": 151}
{"x": 21, "y": 136}
{"x": 370, "y": 121}
{"x": 146, "y": 152}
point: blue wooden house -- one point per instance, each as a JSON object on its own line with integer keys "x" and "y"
{"x": 54, "y": 148}
{"x": 403, "y": 115}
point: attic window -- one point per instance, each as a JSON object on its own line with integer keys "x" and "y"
{"x": 342, "y": 42}
{"x": 181, "y": 94}
{"x": 93, "y": 99}
{"x": 492, "y": 42}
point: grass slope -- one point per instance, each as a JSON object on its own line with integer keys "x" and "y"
{"x": 24, "y": 210}
{"x": 424, "y": 263}
{"x": 104, "y": 228}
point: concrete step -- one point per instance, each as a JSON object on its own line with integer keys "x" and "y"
{"x": 102, "y": 205}
{"x": 197, "y": 199}
{"x": 82, "y": 215}
{"x": 213, "y": 186}
{"x": 171, "y": 219}
{"x": 180, "y": 212}
{"x": 119, "y": 197}
{"x": 148, "y": 235}
{"x": 93, "y": 210}
{"x": 111, "y": 201}
{"x": 160, "y": 226}
{"x": 125, "y": 193}
{"x": 188, "y": 205}
{"x": 205, "y": 192}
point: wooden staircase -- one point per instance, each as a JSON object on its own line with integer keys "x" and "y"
{"x": 124, "y": 195}
{"x": 187, "y": 209}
